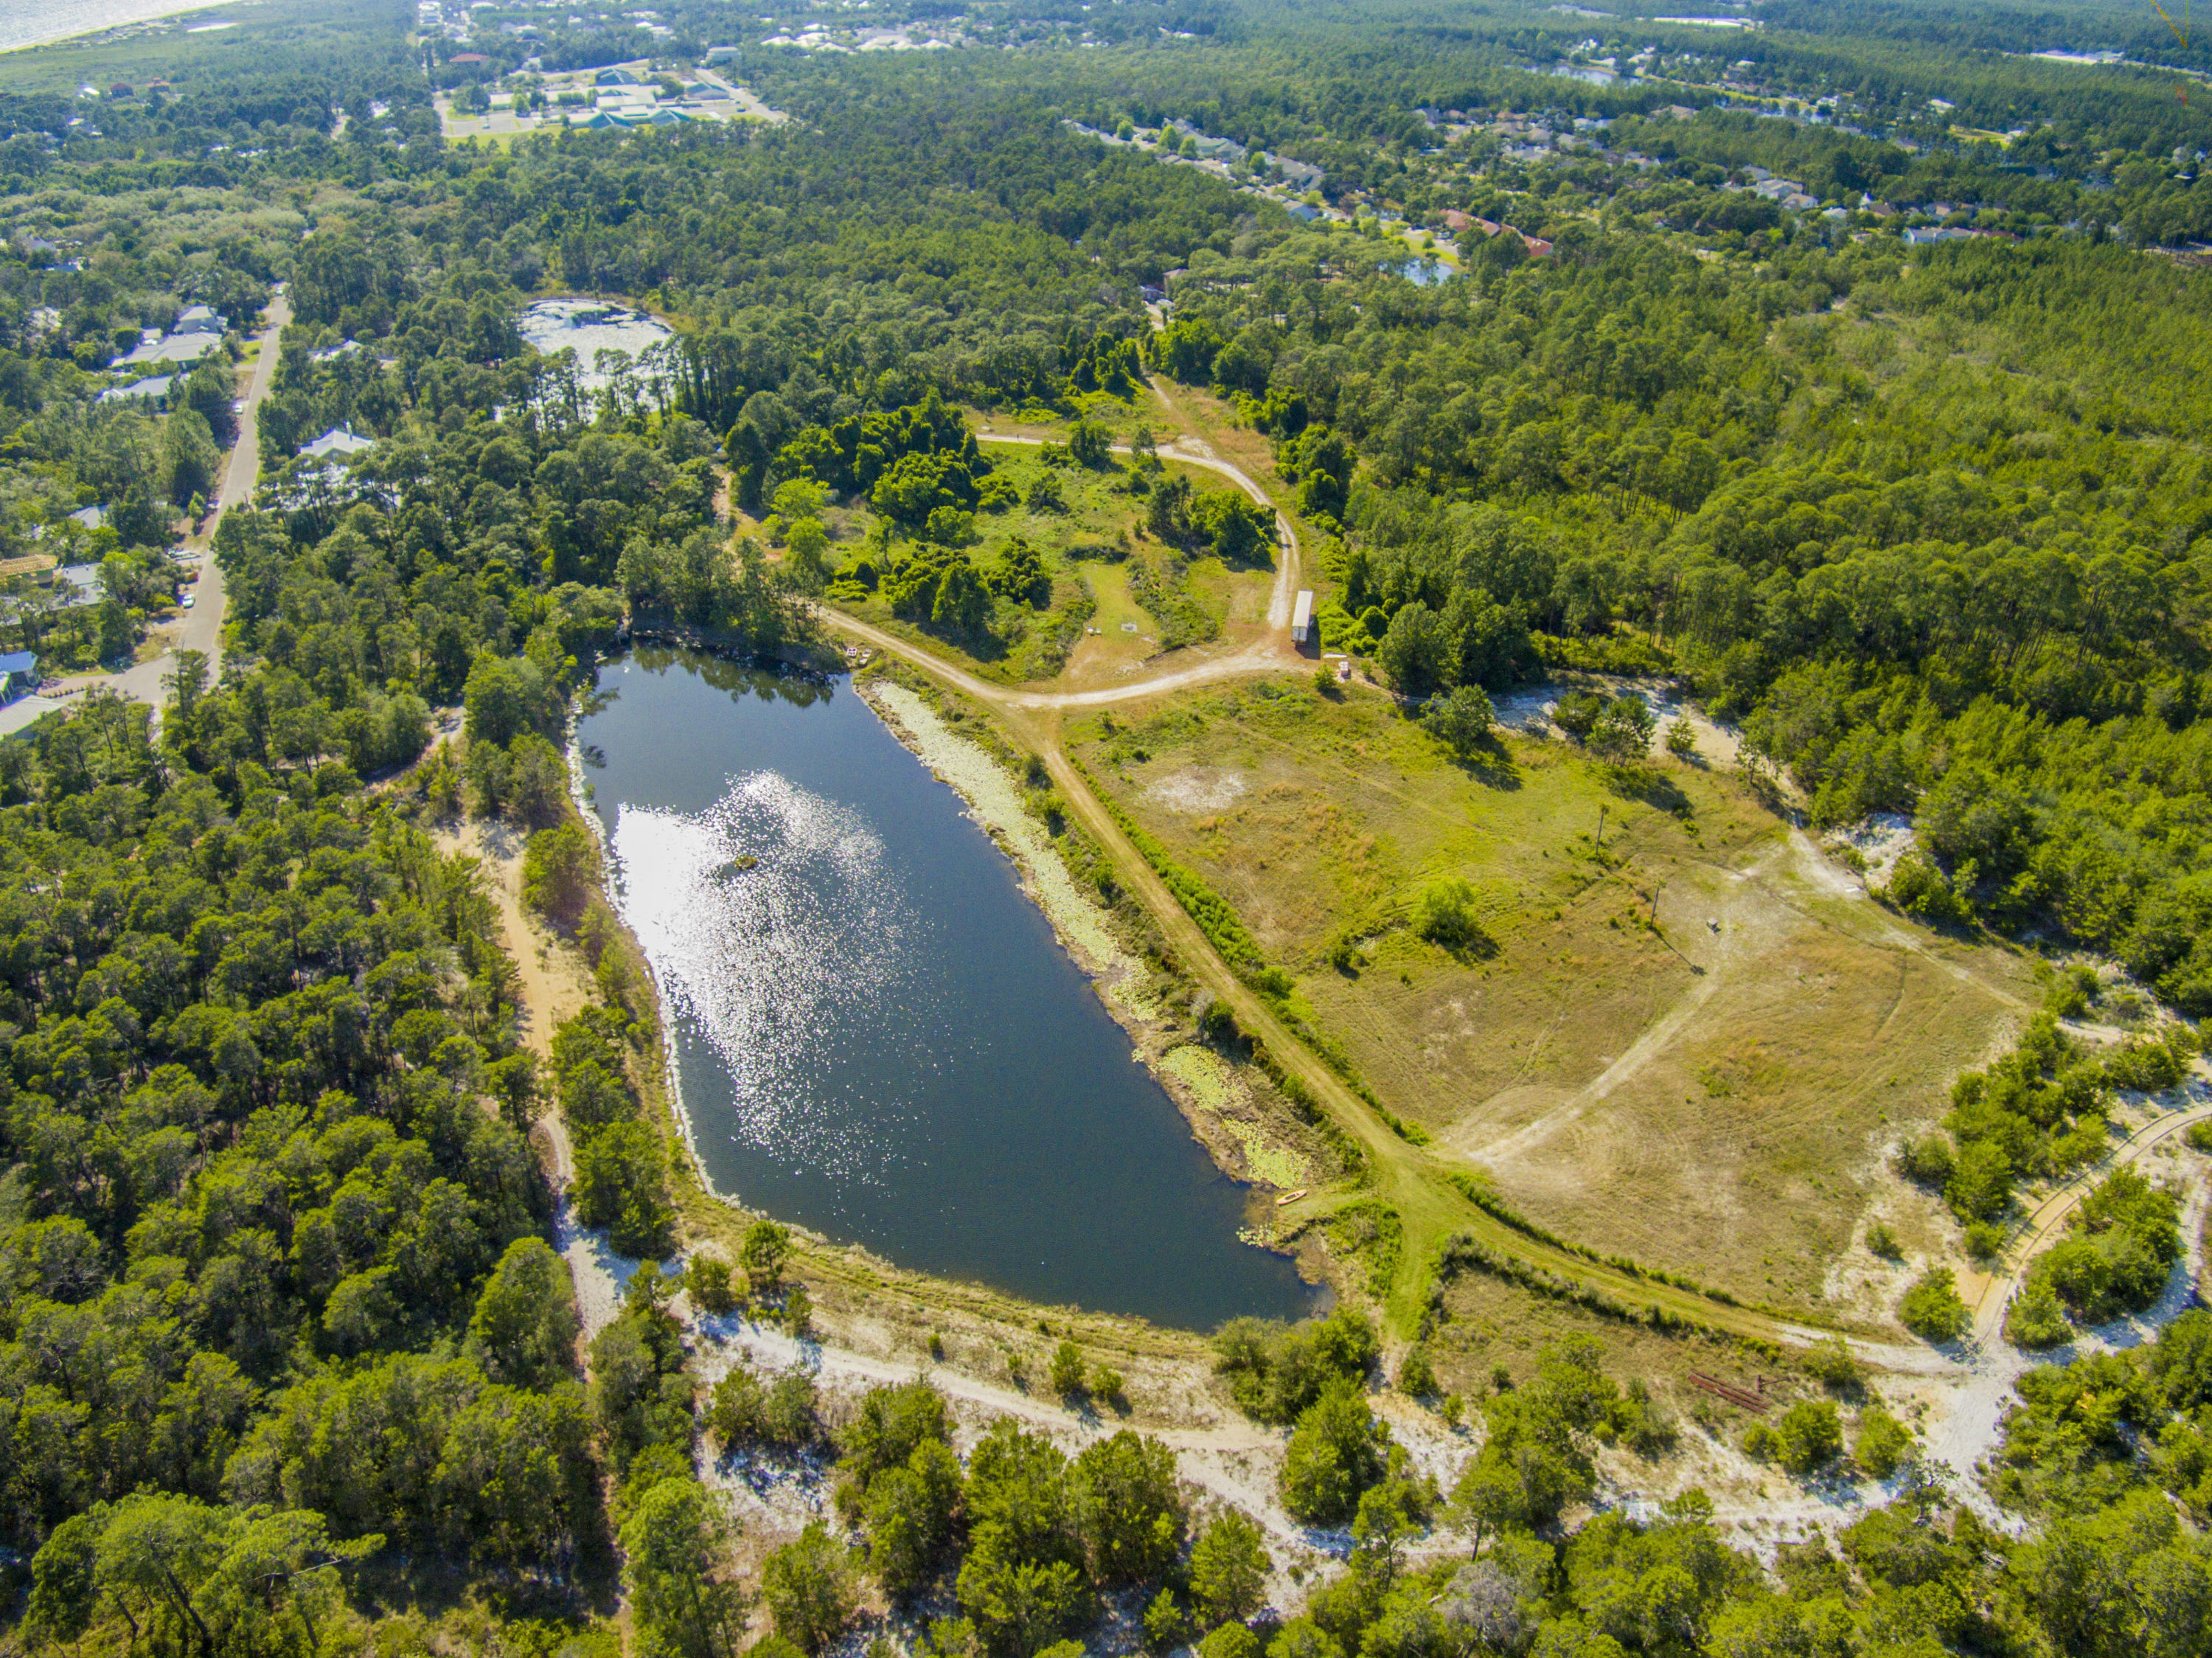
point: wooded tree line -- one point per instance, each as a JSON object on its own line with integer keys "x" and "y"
{"x": 274, "y": 1280}
{"x": 1976, "y": 593}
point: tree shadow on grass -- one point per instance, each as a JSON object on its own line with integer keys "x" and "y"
{"x": 1490, "y": 764}
{"x": 1649, "y": 784}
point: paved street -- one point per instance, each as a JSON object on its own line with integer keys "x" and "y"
{"x": 202, "y": 628}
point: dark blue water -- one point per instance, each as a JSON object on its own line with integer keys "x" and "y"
{"x": 876, "y": 1033}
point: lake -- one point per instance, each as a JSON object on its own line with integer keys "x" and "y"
{"x": 875, "y": 1033}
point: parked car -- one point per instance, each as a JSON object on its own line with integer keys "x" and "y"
{"x": 186, "y": 602}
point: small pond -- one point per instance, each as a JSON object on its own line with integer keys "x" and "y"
{"x": 588, "y": 327}
{"x": 876, "y": 1033}
{"x": 1426, "y": 272}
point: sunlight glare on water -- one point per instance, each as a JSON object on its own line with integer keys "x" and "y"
{"x": 759, "y": 960}
{"x": 872, "y": 1031}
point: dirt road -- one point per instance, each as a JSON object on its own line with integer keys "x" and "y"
{"x": 1988, "y": 1300}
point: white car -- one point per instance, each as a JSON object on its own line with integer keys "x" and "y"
{"x": 186, "y": 602}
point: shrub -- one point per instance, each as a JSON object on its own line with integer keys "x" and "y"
{"x": 1577, "y": 713}
{"x": 1882, "y": 1444}
{"x": 1932, "y": 1309}
{"x": 558, "y": 866}
{"x": 622, "y": 1184}
{"x": 1984, "y": 1242}
{"x": 1229, "y": 1567}
{"x": 1809, "y": 1436}
{"x": 1417, "y": 1376}
{"x": 1920, "y": 888}
{"x": 1622, "y": 731}
{"x": 1447, "y": 916}
{"x": 2037, "y": 1319}
{"x": 707, "y": 1279}
{"x": 1883, "y": 1241}
{"x": 1831, "y": 1360}
{"x": 1980, "y": 1186}
{"x": 1166, "y": 1622}
{"x": 1231, "y": 1641}
{"x": 1067, "y": 1372}
{"x": 807, "y": 1586}
{"x": 1335, "y": 1454}
{"x": 1460, "y": 721}
{"x": 1926, "y": 1161}
{"x": 766, "y": 1247}
{"x": 1274, "y": 1371}
{"x": 2145, "y": 1067}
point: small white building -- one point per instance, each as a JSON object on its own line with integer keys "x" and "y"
{"x": 341, "y": 441}
{"x": 1301, "y": 618}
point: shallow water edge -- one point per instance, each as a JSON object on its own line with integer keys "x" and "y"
{"x": 1195, "y": 1078}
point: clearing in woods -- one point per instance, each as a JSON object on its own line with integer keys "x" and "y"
{"x": 1709, "y": 1096}
{"x": 1114, "y": 598}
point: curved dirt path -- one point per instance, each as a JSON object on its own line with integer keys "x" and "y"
{"x": 2049, "y": 1218}
{"x": 1259, "y": 657}
{"x": 1403, "y": 1174}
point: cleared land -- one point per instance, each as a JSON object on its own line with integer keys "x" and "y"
{"x": 1118, "y": 598}
{"x": 1709, "y": 1095}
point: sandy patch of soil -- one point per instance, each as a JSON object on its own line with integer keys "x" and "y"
{"x": 1880, "y": 839}
{"x": 1198, "y": 788}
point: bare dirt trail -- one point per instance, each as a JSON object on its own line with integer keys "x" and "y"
{"x": 1989, "y": 1298}
{"x": 1406, "y": 1176}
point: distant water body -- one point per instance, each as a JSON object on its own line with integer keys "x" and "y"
{"x": 39, "y": 22}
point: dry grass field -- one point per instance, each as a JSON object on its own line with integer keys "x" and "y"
{"x": 1689, "y": 1043}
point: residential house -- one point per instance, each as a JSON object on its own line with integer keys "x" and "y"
{"x": 340, "y": 443}
{"x": 77, "y": 585}
{"x": 154, "y": 389}
{"x": 19, "y": 673}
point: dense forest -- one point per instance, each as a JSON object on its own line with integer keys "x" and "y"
{"x": 285, "y": 1341}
